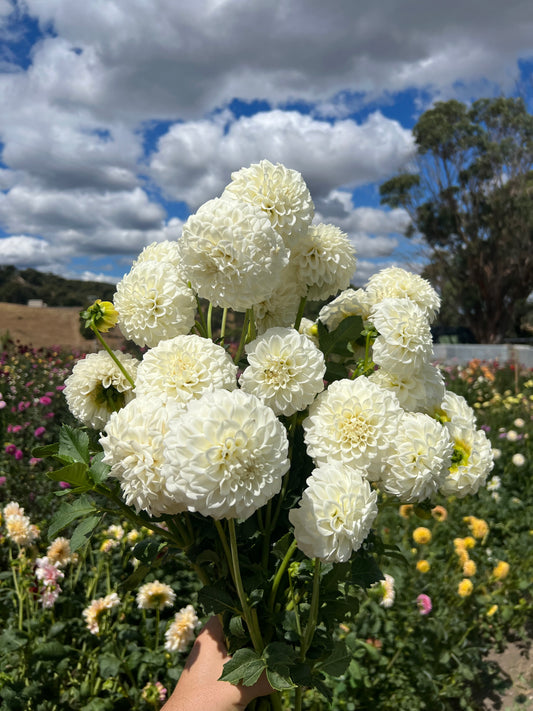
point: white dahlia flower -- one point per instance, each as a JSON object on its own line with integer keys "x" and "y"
{"x": 281, "y": 308}
{"x": 455, "y": 409}
{"x": 133, "y": 447}
{"x": 281, "y": 193}
{"x": 154, "y": 303}
{"x": 404, "y": 344}
{"x": 419, "y": 462}
{"x": 353, "y": 422}
{"x": 350, "y": 302}
{"x": 226, "y": 455}
{"x": 421, "y": 391}
{"x": 335, "y": 513}
{"x": 285, "y": 370}
{"x": 325, "y": 261}
{"x": 472, "y": 461}
{"x": 397, "y": 283}
{"x": 310, "y": 330}
{"x": 185, "y": 367}
{"x": 93, "y": 613}
{"x": 20, "y": 530}
{"x": 180, "y": 632}
{"x": 97, "y": 387}
{"x": 167, "y": 251}
{"x": 231, "y": 254}
{"x": 155, "y": 595}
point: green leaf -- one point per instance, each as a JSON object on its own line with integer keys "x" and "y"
{"x": 215, "y": 599}
{"x": 51, "y": 650}
{"x": 74, "y": 445}
{"x": 45, "y": 450}
{"x": 67, "y": 513}
{"x": 245, "y": 667}
{"x": 83, "y": 532}
{"x": 338, "y": 661}
{"x": 75, "y": 474}
{"x": 148, "y": 550}
{"x": 279, "y": 658}
{"x": 337, "y": 341}
{"x": 109, "y": 665}
{"x": 99, "y": 471}
{"x": 136, "y": 578}
{"x": 365, "y": 571}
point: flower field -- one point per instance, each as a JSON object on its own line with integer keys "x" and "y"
{"x": 100, "y": 628}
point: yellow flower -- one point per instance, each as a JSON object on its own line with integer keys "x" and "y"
{"x": 423, "y": 566}
{"x": 101, "y": 314}
{"x": 421, "y": 535}
{"x": 406, "y": 510}
{"x": 469, "y": 568}
{"x": 465, "y": 588}
{"x": 478, "y": 526}
{"x": 469, "y": 542}
{"x": 492, "y": 610}
{"x": 501, "y": 570}
{"x": 439, "y": 513}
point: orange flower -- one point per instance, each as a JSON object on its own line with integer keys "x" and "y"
{"x": 406, "y": 510}
{"x": 439, "y": 513}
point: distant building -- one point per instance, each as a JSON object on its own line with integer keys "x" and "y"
{"x": 37, "y": 303}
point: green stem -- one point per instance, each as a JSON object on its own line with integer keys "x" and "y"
{"x": 210, "y": 321}
{"x": 313, "y": 612}
{"x": 202, "y": 326}
{"x": 113, "y": 356}
{"x": 299, "y": 315}
{"x": 279, "y": 574}
{"x": 17, "y": 592}
{"x": 223, "y": 325}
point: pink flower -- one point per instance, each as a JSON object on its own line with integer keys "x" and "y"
{"x": 45, "y": 400}
{"x": 49, "y": 415}
{"x": 34, "y": 461}
{"x": 19, "y": 454}
{"x": 424, "y": 604}
{"x": 10, "y": 449}
{"x": 3, "y": 403}
{"x": 60, "y": 387}
{"x": 3, "y": 480}
{"x": 39, "y": 431}
{"x": 16, "y": 428}
{"x": 64, "y": 485}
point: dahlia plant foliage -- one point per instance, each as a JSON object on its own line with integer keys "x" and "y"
{"x": 266, "y": 458}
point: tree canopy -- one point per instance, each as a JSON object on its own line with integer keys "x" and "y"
{"x": 471, "y": 196}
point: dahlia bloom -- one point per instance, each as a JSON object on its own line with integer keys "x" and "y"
{"x": 93, "y": 613}
{"x": 397, "y": 283}
{"x": 348, "y": 303}
{"x": 155, "y": 595}
{"x": 180, "y": 633}
{"x": 20, "y": 530}
{"x": 59, "y": 552}
{"x": 167, "y": 251}
{"x": 471, "y": 461}
{"x": 424, "y": 605}
{"x": 419, "y": 391}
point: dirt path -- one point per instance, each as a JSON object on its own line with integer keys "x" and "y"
{"x": 517, "y": 664}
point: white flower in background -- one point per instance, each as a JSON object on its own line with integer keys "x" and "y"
{"x": 93, "y": 613}
{"x": 471, "y": 461}
{"x": 421, "y": 391}
{"x": 512, "y": 436}
{"x": 20, "y": 530}
{"x": 167, "y": 251}
{"x": 397, "y": 283}
{"x": 59, "y": 552}
{"x": 325, "y": 261}
{"x": 281, "y": 193}
{"x": 185, "y": 367}
{"x": 386, "y": 590}
{"x": 285, "y": 370}
{"x": 226, "y": 455}
{"x": 404, "y": 344}
{"x": 353, "y": 422}
{"x": 335, "y": 513}
{"x": 309, "y": 329}
{"x": 494, "y": 483}
{"x": 12, "y": 509}
{"x": 496, "y": 453}
{"x": 281, "y": 308}
{"x": 455, "y": 409}
{"x": 97, "y": 387}
{"x": 155, "y": 595}
{"x": 518, "y": 459}
{"x": 133, "y": 447}
{"x": 419, "y": 462}
{"x": 231, "y": 254}
{"x": 115, "y": 531}
{"x": 180, "y": 633}
{"x": 153, "y": 303}
{"x": 519, "y": 422}
{"x": 350, "y": 302}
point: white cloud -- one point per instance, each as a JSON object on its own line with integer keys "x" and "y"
{"x": 28, "y": 251}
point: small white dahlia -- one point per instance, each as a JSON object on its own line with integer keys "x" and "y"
{"x": 325, "y": 261}
{"x": 155, "y": 595}
{"x": 226, "y": 455}
{"x": 335, "y": 513}
{"x": 455, "y": 409}
{"x": 153, "y": 303}
{"x": 281, "y": 193}
{"x": 133, "y": 446}
{"x": 20, "y": 530}
{"x": 285, "y": 370}
{"x": 419, "y": 461}
{"x": 167, "y": 251}
{"x": 180, "y": 632}
{"x": 13, "y": 509}
{"x": 93, "y": 613}
{"x": 397, "y": 283}
{"x": 97, "y": 387}
{"x": 472, "y": 461}
{"x": 420, "y": 391}
{"x": 59, "y": 551}
{"x": 353, "y": 422}
{"x": 185, "y": 367}
{"x": 404, "y": 344}
{"x": 310, "y": 330}
{"x": 350, "y": 302}
{"x": 231, "y": 254}
{"x": 281, "y": 308}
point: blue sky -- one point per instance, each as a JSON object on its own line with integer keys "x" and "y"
{"x": 120, "y": 118}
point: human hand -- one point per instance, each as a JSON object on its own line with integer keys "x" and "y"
{"x": 199, "y": 687}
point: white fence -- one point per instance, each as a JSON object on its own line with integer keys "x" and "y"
{"x": 461, "y": 353}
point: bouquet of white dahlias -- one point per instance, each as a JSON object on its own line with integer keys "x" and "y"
{"x": 265, "y": 459}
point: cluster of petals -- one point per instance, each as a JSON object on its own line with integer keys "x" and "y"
{"x": 421, "y": 391}
{"x": 232, "y": 255}
{"x": 352, "y": 422}
{"x": 20, "y": 529}
{"x": 285, "y": 370}
{"x": 185, "y": 367}
{"x": 455, "y": 409}
{"x": 325, "y": 261}
{"x": 280, "y": 192}
{"x": 397, "y": 283}
{"x": 97, "y": 387}
{"x": 180, "y": 632}
{"x": 281, "y": 307}
{"x": 93, "y": 613}
{"x": 226, "y": 455}
{"x": 167, "y": 251}
{"x": 472, "y": 461}
{"x": 335, "y": 514}
{"x": 153, "y": 303}
{"x": 350, "y": 302}
{"x": 133, "y": 445}
{"x": 155, "y": 595}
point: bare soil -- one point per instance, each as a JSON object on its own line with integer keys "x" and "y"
{"x": 49, "y": 327}
{"x": 516, "y": 663}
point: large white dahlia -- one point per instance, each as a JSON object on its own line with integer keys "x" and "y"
{"x": 419, "y": 462}
{"x": 472, "y": 461}
{"x": 166, "y": 251}
{"x": 97, "y": 387}
{"x": 404, "y": 344}
{"x": 185, "y": 367}
{"x": 353, "y": 422}
{"x": 285, "y": 370}
{"x": 281, "y": 193}
{"x": 421, "y": 391}
{"x": 154, "y": 303}
{"x": 325, "y": 261}
{"x": 226, "y": 455}
{"x": 397, "y": 283}
{"x": 335, "y": 514}
{"x": 133, "y": 447}
{"x": 231, "y": 254}
{"x": 455, "y": 409}
{"x": 350, "y": 302}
